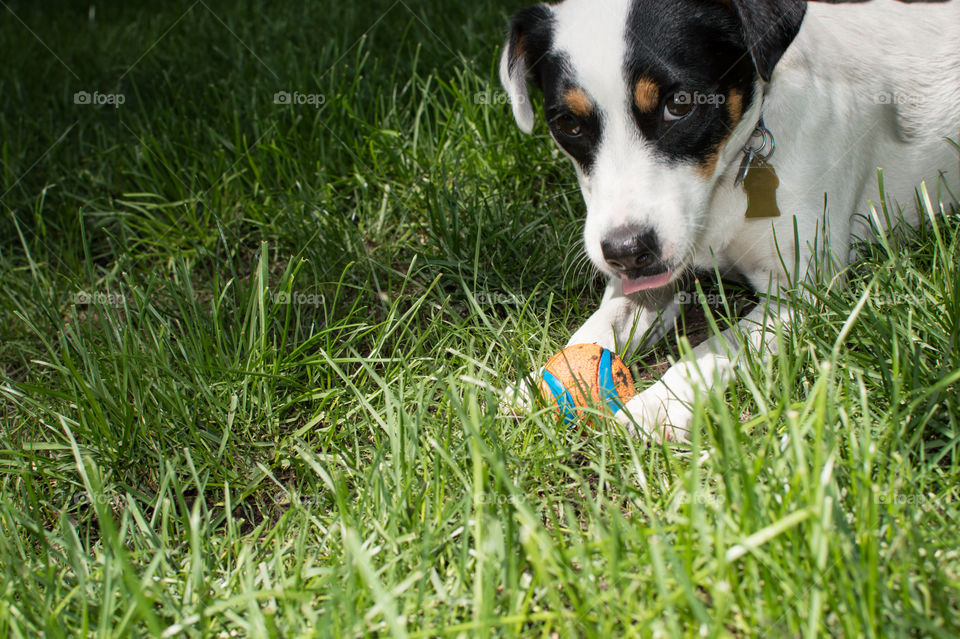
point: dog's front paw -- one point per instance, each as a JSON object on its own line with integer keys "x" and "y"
{"x": 519, "y": 396}
{"x": 658, "y": 415}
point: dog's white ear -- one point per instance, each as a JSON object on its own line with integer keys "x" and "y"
{"x": 513, "y": 76}
{"x": 769, "y": 26}
{"x": 528, "y": 41}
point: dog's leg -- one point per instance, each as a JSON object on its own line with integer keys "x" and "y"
{"x": 665, "y": 410}
{"x": 621, "y": 324}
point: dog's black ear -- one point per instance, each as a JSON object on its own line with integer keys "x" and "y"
{"x": 528, "y": 42}
{"x": 769, "y": 26}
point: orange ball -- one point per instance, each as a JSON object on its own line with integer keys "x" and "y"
{"x": 585, "y": 375}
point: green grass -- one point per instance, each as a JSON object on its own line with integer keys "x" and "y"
{"x": 250, "y": 358}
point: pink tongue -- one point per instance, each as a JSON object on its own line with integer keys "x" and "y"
{"x": 644, "y": 283}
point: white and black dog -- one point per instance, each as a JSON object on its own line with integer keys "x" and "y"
{"x": 658, "y": 102}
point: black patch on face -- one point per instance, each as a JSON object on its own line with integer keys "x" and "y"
{"x": 531, "y": 37}
{"x": 692, "y": 48}
{"x": 555, "y": 81}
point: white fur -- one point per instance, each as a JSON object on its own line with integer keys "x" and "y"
{"x": 863, "y": 86}
{"x": 515, "y": 82}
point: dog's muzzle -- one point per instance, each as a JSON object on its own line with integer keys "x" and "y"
{"x": 635, "y": 257}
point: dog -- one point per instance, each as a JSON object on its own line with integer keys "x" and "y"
{"x": 668, "y": 107}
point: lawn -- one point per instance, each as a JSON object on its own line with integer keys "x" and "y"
{"x": 265, "y": 268}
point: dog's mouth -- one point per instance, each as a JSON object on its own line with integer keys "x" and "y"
{"x": 635, "y": 285}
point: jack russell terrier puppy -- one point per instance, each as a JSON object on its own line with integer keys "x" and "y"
{"x": 736, "y": 135}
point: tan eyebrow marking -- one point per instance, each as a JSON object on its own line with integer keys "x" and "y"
{"x": 735, "y": 106}
{"x": 709, "y": 166}
{"x": 519, "y": 49}
{"x": 578, "y": 102}
{"x": 646, "y": 95}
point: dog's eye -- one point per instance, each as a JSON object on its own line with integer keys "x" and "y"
{"x": 568, "y": 125}
{"x": 678, "y": 106}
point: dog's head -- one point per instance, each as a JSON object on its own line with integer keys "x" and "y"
{"x": 650, "y": 99}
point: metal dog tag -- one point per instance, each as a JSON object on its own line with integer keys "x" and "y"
{"x": 761, "y": 183}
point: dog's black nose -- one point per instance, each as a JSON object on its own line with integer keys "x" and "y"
{"x": 634, "y": 254}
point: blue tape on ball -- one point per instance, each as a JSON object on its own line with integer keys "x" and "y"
{"x": 608, "y": 388}
{"x": 563, "y": 397}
